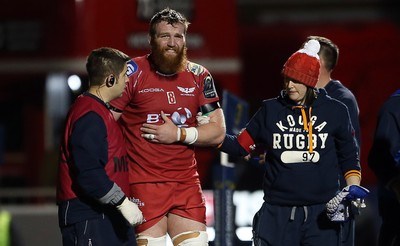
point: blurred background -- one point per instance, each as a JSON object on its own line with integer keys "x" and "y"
{"x": 244, "y": 43}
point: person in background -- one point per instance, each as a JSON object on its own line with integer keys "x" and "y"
{"x": 93, "y": 188}
{"x": 159, "y": 115}
{"x": 306, "y": 147}
{"x": 384, "y": 161}
{"x": 329, "y": 56}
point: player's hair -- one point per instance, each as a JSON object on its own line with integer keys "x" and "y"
{"x": 103, "y": 62}
{"x": 170, "y": 16}
{"x": 329, "y": 51}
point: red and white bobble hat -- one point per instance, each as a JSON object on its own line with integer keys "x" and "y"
{"x": 303, "y": 66}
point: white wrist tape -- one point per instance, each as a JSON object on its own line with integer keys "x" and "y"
{"x": 188, "y": 135}
{"x": 178, "y": 134}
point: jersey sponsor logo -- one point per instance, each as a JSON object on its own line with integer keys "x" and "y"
{"x": 186, "y": 91}
{"x": 151, "y": 90}
{"x": 179, "y": 117}
{"x": 209, "y": 88}
{"x": 120, "y": 164}
{"x": 132, "y": 68}
{"x": 196, "y": 69}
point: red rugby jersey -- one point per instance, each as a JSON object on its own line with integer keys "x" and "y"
{"x": 179, "y": 96}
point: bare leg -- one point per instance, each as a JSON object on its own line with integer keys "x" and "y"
{"x": 158, "y": 230}
{"x": 178, "y": 224}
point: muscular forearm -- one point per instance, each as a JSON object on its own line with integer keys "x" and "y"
{"x": 210, "y": 134}
{"x": 213, "y": 133}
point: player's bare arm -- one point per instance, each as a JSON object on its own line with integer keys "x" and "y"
{"x": 210, "y": 134}
{"x": 213, "y": 133}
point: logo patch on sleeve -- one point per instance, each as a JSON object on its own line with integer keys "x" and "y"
{"x": 196, "y": 69}
{"x": 132, "y": 68}
{"x": 209, "y": 88}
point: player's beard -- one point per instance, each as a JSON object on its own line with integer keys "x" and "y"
{"x": 166, "y": 63}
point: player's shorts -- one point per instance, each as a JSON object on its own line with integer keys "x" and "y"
{"x": 156, "y": 200}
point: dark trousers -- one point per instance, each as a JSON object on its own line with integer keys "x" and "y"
{"x": 347, "y": 233}
{"x": 293, "y": 226}
{"x": 99, "y": 232}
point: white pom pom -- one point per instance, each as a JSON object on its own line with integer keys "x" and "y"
{"x": 311, "y": 48}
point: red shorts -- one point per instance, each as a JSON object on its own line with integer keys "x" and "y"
{"x": 156, "y": 200}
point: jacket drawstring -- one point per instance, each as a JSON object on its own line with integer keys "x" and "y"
{"x": 307, "y": 125}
